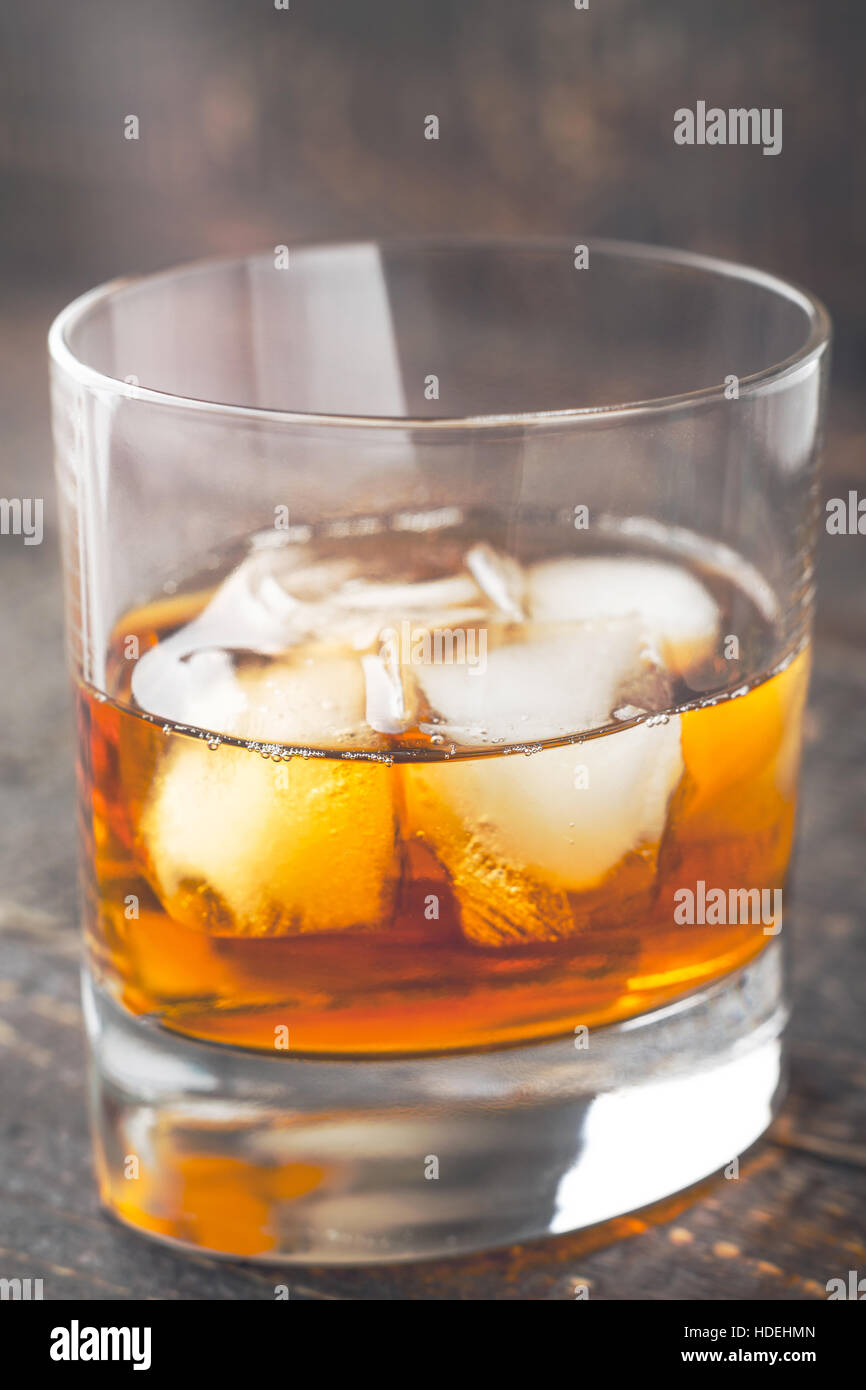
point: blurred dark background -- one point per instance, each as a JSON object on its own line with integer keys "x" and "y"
{"x": 259, "y": 127}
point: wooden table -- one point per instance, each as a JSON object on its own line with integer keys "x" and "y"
{"x": 793, "y": 1220}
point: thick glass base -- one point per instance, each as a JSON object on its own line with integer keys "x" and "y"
{"x": 348, "y": 1162}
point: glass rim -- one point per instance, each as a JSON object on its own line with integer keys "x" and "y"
{"x": 816, "y": 343}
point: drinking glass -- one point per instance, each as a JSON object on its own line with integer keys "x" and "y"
{"x": 439, "y": 617}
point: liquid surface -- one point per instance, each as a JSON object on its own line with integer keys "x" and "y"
{"x": 421, "y": 787}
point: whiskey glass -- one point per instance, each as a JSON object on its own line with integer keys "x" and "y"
{"x": 439, "y": 616}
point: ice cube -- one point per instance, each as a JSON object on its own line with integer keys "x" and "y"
{"x": 391, "y": 706}
{"x": 191, "y": 688}
{"x": 237, "y": 844}
{"x": 316, "y": 697}
{"x": 559, "y": 679}
{"x": 364, "y": 613}
{"x": 503, "y": 906}
{"x": 286, "y": 584}
{"x": 499, "y": 905}
{"x": 566, "y": 815}
{"x": 500, "y": 577}
{"x": 279, "y": 602}
{"x": 676, "y": 610}
{"x": 396, "y": 598}
{"x": 188, "y": 677}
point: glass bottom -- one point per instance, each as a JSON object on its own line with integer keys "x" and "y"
{"x": 307, "y": 1161}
